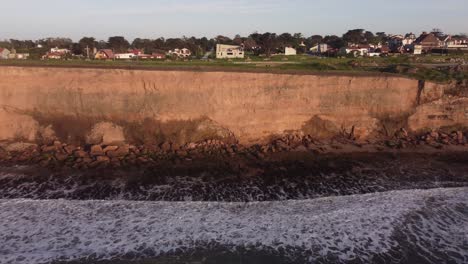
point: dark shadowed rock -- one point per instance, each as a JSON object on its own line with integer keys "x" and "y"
{"x": 96, "y": 150}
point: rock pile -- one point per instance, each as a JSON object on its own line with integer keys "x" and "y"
{"x": 434, "y": 138}
{"x": 57, "y": 154}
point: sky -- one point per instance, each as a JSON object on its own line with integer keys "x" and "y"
{"x": 33, "y": 19}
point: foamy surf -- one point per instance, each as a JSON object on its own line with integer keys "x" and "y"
{"x": 426, "y": 225}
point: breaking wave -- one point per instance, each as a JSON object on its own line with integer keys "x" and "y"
{"x": 409, "y": 226}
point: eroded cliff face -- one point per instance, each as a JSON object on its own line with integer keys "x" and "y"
{"x": 40, "y": 104}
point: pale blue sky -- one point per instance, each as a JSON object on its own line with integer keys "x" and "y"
{"x": 32, "y": 19}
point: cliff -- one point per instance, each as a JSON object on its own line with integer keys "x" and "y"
{"x": 137, "y": 106}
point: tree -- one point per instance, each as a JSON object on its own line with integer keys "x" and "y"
{"x": 286, "y": 40}
{"x": 63, "y": 43}
{"x": 250, "y": 44}
{"x": 147, "y": 45}
{"x": 355, "y": 36}
{"x": 76, "y": 49}
{"x": 381, "y": 37}
{"x": 237, "y": 40}
{"x": 369, "y": 37}
{"x": 87, "y": 44}
{"x": 315, "y": 40}
{"x": 22, "y": 44}
{"x": 268, "y": 42}
{"x": 118, "y": 44}
{"x": 334, "y": 41}
{"x": 223, "y": 40}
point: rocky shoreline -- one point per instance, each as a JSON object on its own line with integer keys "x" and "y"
{"x": 57, "y": 155}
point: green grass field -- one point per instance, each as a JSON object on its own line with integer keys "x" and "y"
{"x": 433, "y": 68}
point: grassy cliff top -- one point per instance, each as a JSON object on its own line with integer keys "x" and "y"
{"x": 432, "y": 68}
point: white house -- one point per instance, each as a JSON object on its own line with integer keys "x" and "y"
{"x": 288, "y": 51}
{"x": 417, "y": 49}
{"x": 4, "y": 54}
{"x": 320, "y": 48}
{"x": 124, "y": 56}
{"x": 59, "y": 51}
{"x": 229, "y": 51}
{"x": 181, "y": 53}
{"x": 18, "y": 56}
{"x": 457, "y": 43}
{"x": 356, "y": 52}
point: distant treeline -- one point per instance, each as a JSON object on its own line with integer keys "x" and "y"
{"x": 256, "y": 43}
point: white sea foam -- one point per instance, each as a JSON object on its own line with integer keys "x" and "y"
{"x": 348, "y": 227}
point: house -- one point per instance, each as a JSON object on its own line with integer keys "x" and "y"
{"x": 53, "y": 56}
{"x": 288, "y": 51}
{"x": 458, "y": 42}
{"x": 355, "y": 50}
{"x": 18, "y": 56}
{"x": 4, "y": 54}
{"x": 319, "y": 48}
{"x": 145, "y": 56}
{"x": 429, "y": 41}
{"x": 124, "y": 56}
{"x": 136, "y": 52}
{"x": 104, "y": 54}
{"x": 56, "y": 54}
{"x": 384, "y": 49}
{"x": 229, "y": 51}
{"x": 22, "y": 56}
{"x": 417, "y": 49}
{"x": 181, "y": 53}
{"x": 60, "y": 51}
{"x": 159, "y": 55}
{"x": 409, "y": 39}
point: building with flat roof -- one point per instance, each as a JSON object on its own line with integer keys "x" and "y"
{"x": 229, "y": 52}
{"x": 288, "y": 51}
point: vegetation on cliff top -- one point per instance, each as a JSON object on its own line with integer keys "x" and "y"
{"x": 432, "y": 68}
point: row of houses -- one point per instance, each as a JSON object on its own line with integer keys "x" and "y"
{"x": 409, "y": 44}
{"x": 237, "y": 51}
{"x": 132, "y": 54}
{"x": 109, "y": 54}
{"x": 6, "y": 54}
{"x": 427, "y": 42}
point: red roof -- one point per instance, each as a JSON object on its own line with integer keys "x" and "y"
{"x": 108, "y": 52}
{"x": 135, "y": 51}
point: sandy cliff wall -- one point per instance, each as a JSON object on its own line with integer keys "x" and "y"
{"x": 104, "y": 104}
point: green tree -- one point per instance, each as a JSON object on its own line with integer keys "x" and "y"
{"x": 118, "y": 44}
{"x": 355, "y": 36}
{"x": 315, "y": 40}
{"x": 334, "y": 41}
{"x": 87, "y": 44}
{"x": 266, "y": 41}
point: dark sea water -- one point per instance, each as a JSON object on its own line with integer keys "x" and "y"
{"x": 411, "y": 210}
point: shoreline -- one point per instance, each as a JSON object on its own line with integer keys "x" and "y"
{"x": 57, "y": 155}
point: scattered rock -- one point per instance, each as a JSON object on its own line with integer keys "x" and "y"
{"x": 46, "y": 135}
{"x": 103, "y": 159}
{"x": 105, "y": 133}
{"x": 119, "y": 152}
{"x": 80, "y": 154}
{"x": 69, "y": 149}
{"x": 61, "y": 156}
{"x": 96, "y": 150}
{"x": 110, "y": 148}
{"x": 19, "y": 147}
